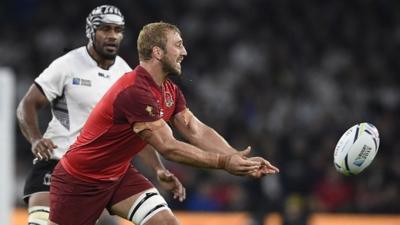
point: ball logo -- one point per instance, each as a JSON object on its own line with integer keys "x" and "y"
{"x": 362, "y": 156}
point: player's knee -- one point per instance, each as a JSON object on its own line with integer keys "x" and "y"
{"x": 162, "y": 219}
{"x": 38, "y": 215}
{"x": 52, "y": 223}
{"x": 149, "y": 204}
{"x": 170, "y": 220}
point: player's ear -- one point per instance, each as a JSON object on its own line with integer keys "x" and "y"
{"x": 157, "y": 52}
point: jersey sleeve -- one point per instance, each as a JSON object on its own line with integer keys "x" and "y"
{"x": 52, "y": 80}
{"x": 180, "y": 101}
{"x": 137, "y": 105}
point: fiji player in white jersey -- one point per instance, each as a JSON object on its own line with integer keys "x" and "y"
{"x": 72, "y": 85}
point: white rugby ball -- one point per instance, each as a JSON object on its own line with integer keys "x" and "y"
{"x": 356, "y": 149}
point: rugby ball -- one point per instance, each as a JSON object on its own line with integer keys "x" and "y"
{"x": 356, "y": 149}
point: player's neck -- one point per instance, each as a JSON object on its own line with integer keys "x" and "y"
{"x": 155, "y": 71}
{"x": 101, "y": 61}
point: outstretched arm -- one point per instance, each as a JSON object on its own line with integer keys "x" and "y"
{"x": 159, "y": 135}
{"x": 167, "y": 180}
{"x": 199, "y": 134}
{"x": 27, "y": 115}
{"x": 204, "y": 137}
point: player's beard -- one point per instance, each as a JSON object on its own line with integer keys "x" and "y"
{"x": 102, "y": 52}
{"x": 168, "y": 68}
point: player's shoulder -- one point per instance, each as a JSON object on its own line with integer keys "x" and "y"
{"x": 135, "y": 80}
{"x": 122, "y": 64}
{"x": 62, "y": 64}
{"x": 135, "y": 83}
{"x": 74, "y": 55}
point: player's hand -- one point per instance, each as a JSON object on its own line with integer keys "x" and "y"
{"x": 43, "y": 148}
{"x": 265, "y": 168}
{"x": 170, "y": 182}
{"x": 239, "y": 164}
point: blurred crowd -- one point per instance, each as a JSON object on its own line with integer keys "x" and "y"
{"x": 286, "y": 77}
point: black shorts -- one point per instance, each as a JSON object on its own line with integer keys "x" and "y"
{"x": 39, "y": 178}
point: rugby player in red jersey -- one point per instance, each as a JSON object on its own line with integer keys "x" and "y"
{"x": 72, "y": 85}
{"x": 96, "y": 172}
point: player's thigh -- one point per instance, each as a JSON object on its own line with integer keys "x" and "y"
{"x": 39, "y": 199}
{"x": 73, "y": 201}
{"x": 37, "y": 183}
{"x": 36, "y": 192}
{"x": 131, "y": 186}
{"x": 39, "y": 210}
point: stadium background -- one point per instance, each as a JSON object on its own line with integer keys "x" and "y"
{"x": 287, "y": 77}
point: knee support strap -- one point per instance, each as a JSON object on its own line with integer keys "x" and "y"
{"x": 38, "y": 215}
{"x": 147, "y": 205}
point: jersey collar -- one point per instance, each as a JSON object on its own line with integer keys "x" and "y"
{"x": 94, "y": 62}
{"x": 148, "y": 77}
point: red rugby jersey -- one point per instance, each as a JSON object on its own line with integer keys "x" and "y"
{"x": 107, "y": 143}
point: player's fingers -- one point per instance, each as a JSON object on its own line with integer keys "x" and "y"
{"x": 47, "y": 154}
{"x": 249, "y": 163}
{"x": 263, "y": 161}
{"x": 40, "y": 147}
{"x": 270, "y": 166}
{"x": 166, "y": 176}
{"x": 245, "y": 169}
{"x": 267, "y": 170}
{"x": 178, "y": 194}
{"x": 162, "y": 176}
{"x": 183, "y": 195}
{"x": 45, "y": 151}
{"x": 37, "y": 153}
{"x": 39, "y": 156}
{"x": 177, "y": 183}
{"x": 53, "y": 145}
{"x": 273, "y": 170}
{"x": 180, "y": 189}
{"x": 49, "y": 145}
{"x": 169, "y": 177}
{"x": 245, "y": 152}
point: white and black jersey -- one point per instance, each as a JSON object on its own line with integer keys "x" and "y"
{"x": 73, "y": 84}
